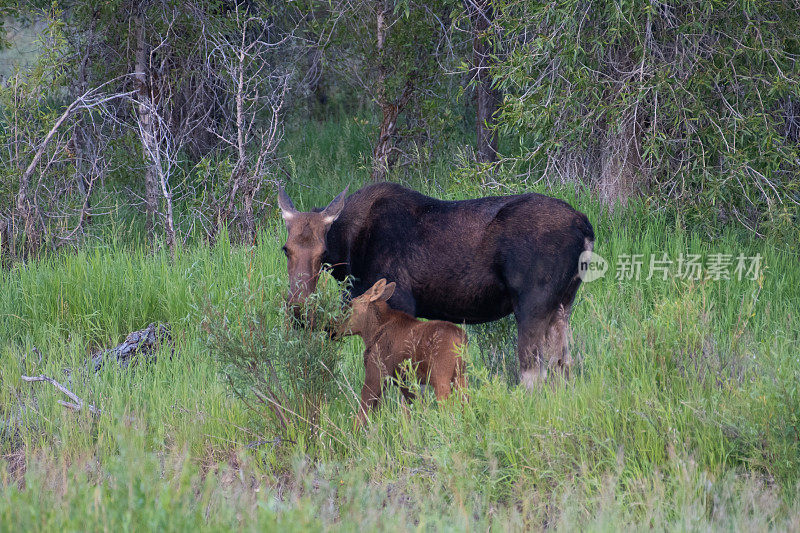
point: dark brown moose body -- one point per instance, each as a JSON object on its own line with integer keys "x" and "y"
{"x": 392, "y": 337}
{"x": 468, "y": 261}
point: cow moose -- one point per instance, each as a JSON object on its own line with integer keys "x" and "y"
{"x": 467, "y": 261}
{"x": 392, "y": 337}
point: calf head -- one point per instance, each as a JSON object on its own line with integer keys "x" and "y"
{"x": 305, "y": 244}
{"x": 363, "y": 313}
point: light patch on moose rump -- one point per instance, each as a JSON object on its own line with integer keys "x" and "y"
{"x": 591, "y": 266}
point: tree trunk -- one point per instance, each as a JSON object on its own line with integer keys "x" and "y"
{"x": 381, "y": 154}
{"x": 248, "y": 221}
{"x": 25, "y": 208}
{"x": 28, "y": 214}
{"x": 169, "y": 219}
{"x": 145, "y": 108}
{"x": 5, "y": 242}
{"x": 620, "y": 164}
{"x": 240, "y": 182}
{"x": 385, "y": 144}
{"x": 314, "y": 84}
{"x": 487, "y": 98}
{"x": 791, "y": 117}
{"x": 80, "y": 139}
{"x": 313, "y": 80}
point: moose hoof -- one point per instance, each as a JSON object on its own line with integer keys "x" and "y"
{"x": 533, "y": 378}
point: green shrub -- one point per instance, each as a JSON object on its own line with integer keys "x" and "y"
{"x": 285, "y": 367}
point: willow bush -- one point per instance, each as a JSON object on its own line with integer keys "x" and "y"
{"x": 285, "y": 367}
{"x": 693, "y": 104}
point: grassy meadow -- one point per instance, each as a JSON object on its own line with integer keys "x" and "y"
{"x": 683, "y": 411}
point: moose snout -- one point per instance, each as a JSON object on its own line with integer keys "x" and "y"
{"x": 299, "y": 292}
{"x": 296, "y": 300}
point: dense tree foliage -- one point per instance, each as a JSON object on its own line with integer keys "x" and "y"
{"x": 693, "y": 103}
{"x": 176, "y": 108}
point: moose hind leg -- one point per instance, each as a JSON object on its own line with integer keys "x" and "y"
{"x": 557, "y": 351}
{"x": 531, "y": 334}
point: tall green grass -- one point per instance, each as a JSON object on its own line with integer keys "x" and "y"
{"x": 682, "y": 412}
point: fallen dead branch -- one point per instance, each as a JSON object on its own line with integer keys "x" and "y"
{"x": 76, "y": 405}
{"x": 142, "y": 343}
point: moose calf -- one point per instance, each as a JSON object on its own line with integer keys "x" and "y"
{"x": 392, "y": 337}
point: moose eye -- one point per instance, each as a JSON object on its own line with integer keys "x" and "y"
{"x": 285, "y": 251}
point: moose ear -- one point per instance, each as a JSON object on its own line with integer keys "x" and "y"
{"x": 376, "y": 290}
{"x": 387, "y": 292}
{"x": 285, "y": 203}
{"x": 334, "y": 208}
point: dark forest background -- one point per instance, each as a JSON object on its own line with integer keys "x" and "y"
{"x": 177, "y": 118}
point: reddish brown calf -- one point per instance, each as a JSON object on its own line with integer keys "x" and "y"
{"x": 392, "y": 337}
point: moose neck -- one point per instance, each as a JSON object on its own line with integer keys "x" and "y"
{"x": 336, "y": 246}
{"x": 378, "y": 314}
{"x": 347, "y": 226}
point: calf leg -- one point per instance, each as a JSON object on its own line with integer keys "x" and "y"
{"x": 441, "y": 388}
{"x": 373, "y": 388}
{"x": 442, "y": 366}
{"x": 408, "y": 395}
{"x": 460, "y": 379}
{"x": 460, "y": 375}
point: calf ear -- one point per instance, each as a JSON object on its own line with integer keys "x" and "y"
{"x": 387, "y": 292}
{"x": 285, "y": 203}
{"x": 376, "y": 290}
{"x": 334, "y": 208}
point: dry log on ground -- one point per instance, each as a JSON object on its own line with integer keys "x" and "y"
{"x": 139, "y": 344}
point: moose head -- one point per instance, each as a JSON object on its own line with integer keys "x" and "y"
{"x": 364, "y": 309}
{"x": 305, "y": 245}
